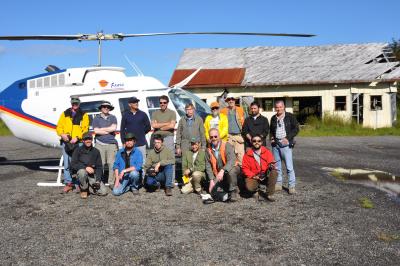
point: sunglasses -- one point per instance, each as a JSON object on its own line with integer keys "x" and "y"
{"x": 256, "y": 141}
{"x": 215, "y": 108}
{"x": 105, "y": 106}
{"x": 279, "y": 124}
{"x": 213, "y": 137}
{"x": 163, "y": 102}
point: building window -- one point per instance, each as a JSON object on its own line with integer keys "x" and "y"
{"x": 267, "y": 104}
{"x": 340, "y": 103}
{"x": 376, "y": 102}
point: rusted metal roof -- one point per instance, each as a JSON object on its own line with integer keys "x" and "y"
{"x": 270, "y": 66}
{"x": 210, "y": 77}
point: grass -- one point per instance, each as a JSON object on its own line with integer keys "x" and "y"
{"x": 333, "y": 125}
{"x": 4, "y": 131}
{"x": 387, "y": 237}
{"x": 366, "y": 203}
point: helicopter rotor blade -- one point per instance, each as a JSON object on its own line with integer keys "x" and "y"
{"x": 120, "y": 36}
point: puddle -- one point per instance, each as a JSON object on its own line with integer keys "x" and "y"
{"x": 372, "y": 178}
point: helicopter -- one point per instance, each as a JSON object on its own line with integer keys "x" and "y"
{"x": 30, "y": 107}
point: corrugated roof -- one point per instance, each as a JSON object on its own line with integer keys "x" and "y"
{"x": 296, "y": 65}
{"x": 210, "y": 77}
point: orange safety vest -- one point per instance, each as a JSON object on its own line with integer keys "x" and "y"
{"x": 213, "y": 160}
{"x": 239, "y": 114}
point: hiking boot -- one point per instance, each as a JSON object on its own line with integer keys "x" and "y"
{"x": 292, "y": 190}
{"x": 271, "y": 198}
{"x": 234, "y": 196}
{"x": 168, "y": 191}
{"x": 278, "y": 187}
{"x": 84, "y": 194}
{"x": 67, "y": 188}
{"x": 135, "y": 192}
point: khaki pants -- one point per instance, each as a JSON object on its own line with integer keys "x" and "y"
{"x": 237, "y": 142}
{"x": 86, "y": 182}
{"x": 252, "y": 184}
{"x": 194, "y": 183}
{"x": 107, "y": 154}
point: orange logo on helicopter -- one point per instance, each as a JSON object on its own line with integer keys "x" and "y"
{"x": 103, "y": 83}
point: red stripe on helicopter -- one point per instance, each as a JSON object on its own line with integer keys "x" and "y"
{"x": 33, "y": 120}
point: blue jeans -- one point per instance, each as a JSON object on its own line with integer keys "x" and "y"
{"x": 129, "y": 181}
{"x": 164, "y": 176}
{"x": 284, "y": 154}
{"x": 67, "y": 162}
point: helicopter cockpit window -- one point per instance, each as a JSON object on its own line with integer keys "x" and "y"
{"x": 91, "y": 108}
{"x": 180, "y": 98}
{"x": 153, "y": 102}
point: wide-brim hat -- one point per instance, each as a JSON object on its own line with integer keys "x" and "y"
{"x": 106, "y": 103}
{"x": 130, "y": 135}
{"x": 214, "y": 104}
{"x": 229, "y": 96}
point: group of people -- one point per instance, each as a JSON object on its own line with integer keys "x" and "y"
{"x": 225, "y": 154}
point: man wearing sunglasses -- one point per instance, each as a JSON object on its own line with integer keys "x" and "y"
{"x": 163, "y": 121}
{"x": 258, "y": 167}
{"x": 104, "y": 126}
{"x": 216, "y": 120}
{"x": 284, "y": 127}
{"x": 221, "y": 165}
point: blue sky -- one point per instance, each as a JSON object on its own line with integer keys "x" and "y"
{"x": 334, "y": 22}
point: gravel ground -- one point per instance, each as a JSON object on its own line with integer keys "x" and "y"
{"x": 322, "y": 224}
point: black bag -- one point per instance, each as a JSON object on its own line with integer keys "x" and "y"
{"x": 219, "y": 194}
{"x": 70, "y": 147}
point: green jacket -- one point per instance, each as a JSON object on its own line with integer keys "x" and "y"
{"x": 164, "y": 156}
{"x": 184, "y": 133}
{"x": 199, "y": 163}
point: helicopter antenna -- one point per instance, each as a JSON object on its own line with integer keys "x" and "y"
{"x": 134, "y": 66}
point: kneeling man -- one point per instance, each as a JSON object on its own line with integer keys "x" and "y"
{"x": 194, "y": 167}
{"x": 127, "y": 166}
{"x": 159, "y": 166}
{"x": 258, "y": 167}
{"x": 86, "y": 162}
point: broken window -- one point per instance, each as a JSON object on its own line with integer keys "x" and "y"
{"x": 376, "y": 102}
{"x": 340, "y": 103}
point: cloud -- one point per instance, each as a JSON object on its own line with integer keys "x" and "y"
{"x": 48, "y": 50}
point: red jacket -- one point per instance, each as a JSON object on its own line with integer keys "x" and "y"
{"x": 250, "y": 166}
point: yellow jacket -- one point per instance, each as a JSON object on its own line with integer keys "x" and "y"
{"x": 222, "y": 127}
{"x": 75, "y": 128}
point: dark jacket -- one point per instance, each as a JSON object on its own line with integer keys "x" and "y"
{"x": 291, "y": 126}
{"x": 138, "y": 124}
{"x": 253, "y": 127}
{"x": 84, "y": 157}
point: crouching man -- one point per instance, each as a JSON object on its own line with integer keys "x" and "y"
{"x": 221, "y": 166}
{"x": 159, "y": 166}
{"x": 194, "y": 167}
{"x": 86, "y": 162}
{"x": 258, "y": 168}
{"x": 127, "y": 166}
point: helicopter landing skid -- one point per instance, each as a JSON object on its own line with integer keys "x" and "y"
{"x": 58, "y": 168}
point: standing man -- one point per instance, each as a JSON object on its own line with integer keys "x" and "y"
{"x": 163, "y": 121}
{"x": 255, "y": 124}
{"x": 221, "y": 166}
{"x": 86, "y": 161}
{"x": 127, "y": 166}
{"x": 216, "y": 120}
{"x": 236, "y": 118}
{"x": 258, "y": 167}
{"x": 104, "y": 126}
{"x": 190, "y": 126}
{"x": 194, "y": 167}
{"x": 159, "y": 166}
{"x": 71, "y": 126}
{"x": 137, "y": 122}
{"x": 284, "y": 127}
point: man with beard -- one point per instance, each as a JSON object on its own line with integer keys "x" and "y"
{"x": 255, "y": 124}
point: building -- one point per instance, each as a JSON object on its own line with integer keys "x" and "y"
{"x": 356, "y": 81}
